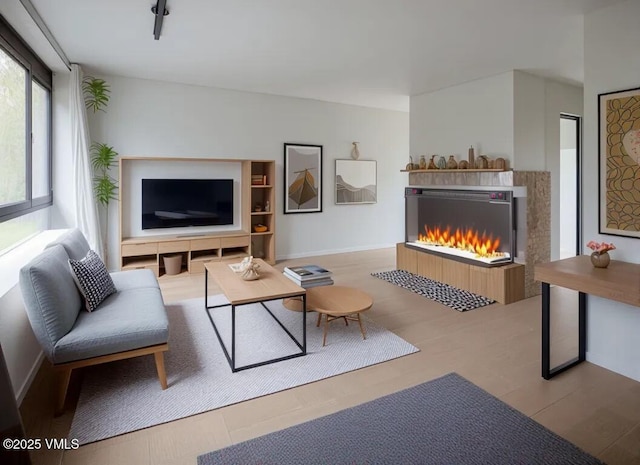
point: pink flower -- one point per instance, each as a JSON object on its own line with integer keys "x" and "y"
{"x": 600, "y": 247}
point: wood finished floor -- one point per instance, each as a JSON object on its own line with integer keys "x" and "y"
{"x": 496, "y": 347}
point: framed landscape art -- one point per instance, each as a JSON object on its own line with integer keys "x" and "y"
{"x": 619, "y": 162}
{"x": 356, "y": 182}
{"x": 302, "y": 178}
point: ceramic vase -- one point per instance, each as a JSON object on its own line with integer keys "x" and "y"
{"x": 423, "y": 163}
{"x": 442, "y": 163}
{"x": 482, "y": 162}
{"x": 600, "y": 260}
{"x": 452, "y": 164}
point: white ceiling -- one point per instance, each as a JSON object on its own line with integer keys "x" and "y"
{"x": 365, "y": 52}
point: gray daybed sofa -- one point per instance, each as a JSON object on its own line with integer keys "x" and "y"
{"x": 129, "y": 323}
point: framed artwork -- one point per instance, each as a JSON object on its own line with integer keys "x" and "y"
{"x": 302, "y": 178}
{"x": 356, "y": 182}
{"x": 619, "y": 162}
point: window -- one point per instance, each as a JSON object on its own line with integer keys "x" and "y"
{"x": 25, "y": 128}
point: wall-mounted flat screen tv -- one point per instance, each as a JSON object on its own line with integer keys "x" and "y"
{"x": 175, "y": 203}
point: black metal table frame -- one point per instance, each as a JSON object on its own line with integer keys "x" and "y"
{"x": 231, "y": 358}
{"x": 547, "y": 371}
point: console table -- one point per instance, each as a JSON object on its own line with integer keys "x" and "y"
{"x": 619, "y": 282}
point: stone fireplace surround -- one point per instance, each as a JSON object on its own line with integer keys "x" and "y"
{"x": 537, "y": 247}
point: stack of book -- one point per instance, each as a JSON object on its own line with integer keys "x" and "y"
{"x": 259, "y": 179}
{"x": 307, "y": 276}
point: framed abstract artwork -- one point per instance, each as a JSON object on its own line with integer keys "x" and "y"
{"x": 356, "y": 182}
{"x": 619, "y": 162}
{"x": 302, "y": 178}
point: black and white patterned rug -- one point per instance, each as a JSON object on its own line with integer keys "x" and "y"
{"x": 445, "y": 294}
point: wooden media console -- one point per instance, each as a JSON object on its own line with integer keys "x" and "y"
{"x": 504, "y": 284}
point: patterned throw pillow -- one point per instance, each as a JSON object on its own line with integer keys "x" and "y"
{"x": 93, "y": 279}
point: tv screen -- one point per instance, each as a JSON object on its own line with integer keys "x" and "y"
{"x": 171, "y": 203}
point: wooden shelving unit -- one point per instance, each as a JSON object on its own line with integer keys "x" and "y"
{"x": 198, "y": 249}
{"x": 263, "y": 203}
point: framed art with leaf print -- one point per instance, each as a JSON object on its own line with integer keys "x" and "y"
{"x": 619, "y": 162}
{"x": 302, "y": 178}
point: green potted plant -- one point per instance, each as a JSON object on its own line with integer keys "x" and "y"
{"x": 103, "y": 157}
{"x": 96, "y": 93}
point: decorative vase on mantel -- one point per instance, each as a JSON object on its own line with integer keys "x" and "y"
{"x": 600, "y": 259}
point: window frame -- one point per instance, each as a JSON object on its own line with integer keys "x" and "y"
{"x": 13, "y": 45}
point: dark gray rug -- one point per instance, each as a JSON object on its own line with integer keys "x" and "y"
{"x": 445, "y": 421}
{"x": 445, "y": 294}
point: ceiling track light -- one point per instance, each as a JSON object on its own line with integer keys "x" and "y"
{"x": 159, "y": 11}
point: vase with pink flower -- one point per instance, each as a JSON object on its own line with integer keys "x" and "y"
{"x": 600, "y": 256}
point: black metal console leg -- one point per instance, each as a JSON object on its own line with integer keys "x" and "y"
{"x": 582, "y": 326}
{"x": 547, "y": 371}
{"x": 546, "y": 330}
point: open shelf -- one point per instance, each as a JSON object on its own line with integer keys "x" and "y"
{"x": 139, "y": 262}
{"x": 234, "y": 252}
{"x": 261, "y": 213}
{"x": 204, "y": 256}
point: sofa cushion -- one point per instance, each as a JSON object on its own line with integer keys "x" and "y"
{"x": 126, "y": 320}
{"x": 74, "y": 243}
{"x": 93, "y": 279}
{"x": 50, "y": 296}
{"x": 134, "y": 279}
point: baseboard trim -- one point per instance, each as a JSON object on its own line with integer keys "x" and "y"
{"x": 334, "y": 251}
{"x": 22, "y": 392}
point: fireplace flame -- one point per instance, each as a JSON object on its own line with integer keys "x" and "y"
{"x": 471, "y": 240}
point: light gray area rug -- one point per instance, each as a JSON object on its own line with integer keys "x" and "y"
{"x": 445, "y": 421}
{"x": 125, "y": 396}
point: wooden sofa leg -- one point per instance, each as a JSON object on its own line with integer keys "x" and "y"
{"x": 64, "y": 375}
{"x": 162, "y": 375}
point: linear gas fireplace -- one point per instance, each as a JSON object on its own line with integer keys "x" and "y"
{"x": 473, "y": 226}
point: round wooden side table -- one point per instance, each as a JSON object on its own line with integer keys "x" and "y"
{"x": 335, "y": 302}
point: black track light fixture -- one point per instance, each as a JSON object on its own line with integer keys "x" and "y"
{"x": 159, "y": 11}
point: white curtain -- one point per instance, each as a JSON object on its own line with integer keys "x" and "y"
{"x": 87, "y": 219}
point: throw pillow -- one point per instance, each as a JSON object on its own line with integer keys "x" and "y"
{"x": 93, "y": 279}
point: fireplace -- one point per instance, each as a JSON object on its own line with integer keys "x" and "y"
{"x": 471, "y": 226}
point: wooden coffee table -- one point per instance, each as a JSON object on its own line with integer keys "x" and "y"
{"x": 272, "y": 285}
{"x": 334, "y": 302}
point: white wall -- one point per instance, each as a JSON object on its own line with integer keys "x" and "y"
{"x": 479, "y": 113}
{"x": 529, "y": 114}
{"x": 152, "y": 118}
{"x": 21, "y": 349}
{"x": 612, "y": 62}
